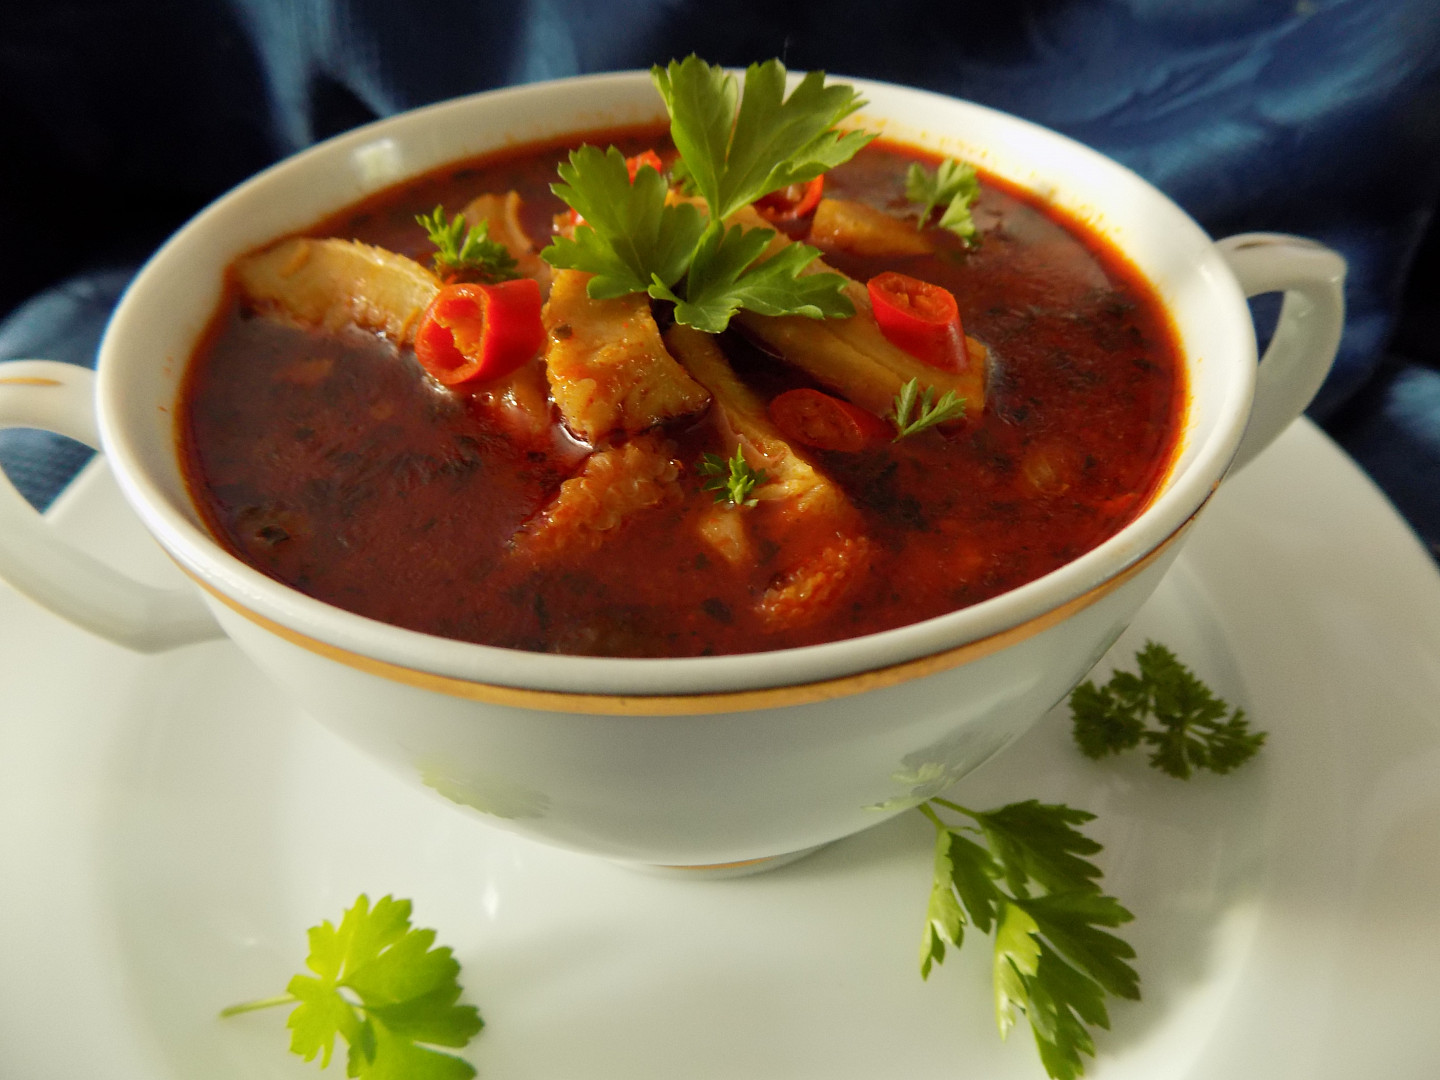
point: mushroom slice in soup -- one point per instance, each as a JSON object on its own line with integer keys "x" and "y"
{"x": 822, "y": 551}
{"x": 612, "y": 486}
{"x": 335, "y": 283}
{"x": 608, "y": 368}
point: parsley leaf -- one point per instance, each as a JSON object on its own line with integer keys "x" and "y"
{"x": 680, "y": 179}
{"x": 731, "y": 480}
{"x": 723, "y": 279}
{"x": 380, "y": 985}
{"x": 772, "y": 143}
{"x": 915, "y": 411}
{"x": 1037, "y": 842}
{"x": 1193, "y": 729}
{"x": 953, "y": 185}
{"x": 734, "y": 149}
{"x": 462, "y": 249}
{"x": 961, "y": 884}
{"x": 1052, "y": 959}
{"x": 631, "y": 237}
{"x": 1017, "y": 957}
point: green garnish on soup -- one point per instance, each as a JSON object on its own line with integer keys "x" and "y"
{"x": 733, "y": 151}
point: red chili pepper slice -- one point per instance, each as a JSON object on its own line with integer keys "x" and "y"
{"x": 649, "y": 157}
{"x": 920, "y": 318}
{"x": 471, "y": 332}
{"x": 814, "y": 418}
{"x": 793, "y": 202}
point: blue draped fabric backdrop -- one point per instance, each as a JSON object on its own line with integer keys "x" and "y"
{"x": 1320, "y": 117}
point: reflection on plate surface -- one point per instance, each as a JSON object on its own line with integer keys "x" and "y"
{"x": 169, "y": 827}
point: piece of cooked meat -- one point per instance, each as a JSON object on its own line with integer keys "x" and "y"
{"x": 744, "y": 418}
{"x": 608, "y": 368}
{"x": 613, "y": 485}
{"x": 334, "y": 283}
{"x": 722, "y": 526}
{"x": 520, "y": 402}
{"x": 814, "y": 585}
{"x": 815, "y": 573}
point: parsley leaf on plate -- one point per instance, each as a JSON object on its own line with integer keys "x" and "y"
{"x": 1030, "y": 882}
{"x": 953, "y": 185}
{"x": 1193, "y": 729}
{"x": 380, "y": 985}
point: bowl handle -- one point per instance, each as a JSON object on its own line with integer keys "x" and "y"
{"x": 60, "y": 398}
{"x": 1312, "y": 277}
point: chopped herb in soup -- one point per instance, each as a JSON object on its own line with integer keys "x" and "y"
{"x": 884, "y": 390}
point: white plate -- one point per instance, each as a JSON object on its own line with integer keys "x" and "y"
{"x": 169, "y": 828}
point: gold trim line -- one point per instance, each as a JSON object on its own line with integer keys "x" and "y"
{"x": 719, "y": 865}
{"x": 700, "y": 704}
{"x": 29, "y": 380}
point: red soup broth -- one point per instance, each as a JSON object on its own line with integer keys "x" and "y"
{"x": 333, "y": 464}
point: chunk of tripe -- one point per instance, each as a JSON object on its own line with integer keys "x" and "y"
{"x": 612, "y": 486}
{"x": 816, "y": 575}
{"x": 519, "y": 402}
{"x": 607, "y": 366}
{"x": 861, "y": 229}
{"x": 813, "y": 586}
{"x": 722, "y": 527}
{"x": 502, "y": 214}
{"x": 851, "y": 356}
{"x": 335, "y": 283}
{"x": 742, "y": 416}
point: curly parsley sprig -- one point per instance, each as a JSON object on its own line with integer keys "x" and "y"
{"x": 734, "y": 149}
{"x": 915, "y": 412}
{"x": 1192, "y": 728}
{"x": 954, "y": 185}
{"x": 378, "y": 984}
{"x": 1021, "y": 871}
{"x": 462, "y": 249}
{"x": 731, "y": 480}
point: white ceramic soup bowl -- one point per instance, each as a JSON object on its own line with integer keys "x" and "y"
{"x": 699, "y": 762}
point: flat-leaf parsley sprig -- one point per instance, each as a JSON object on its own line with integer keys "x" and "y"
{"x": 1192, "y": 728}
{"x": 467, "y": 249}
{"x": 380, "y": 985}
{"x": 631, "y": 237}
{"x": 634, "y": 239}
{"x": 1021, "y": 871}
{"x": 731, "y": 480}
{"x": 773, "y": 142}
